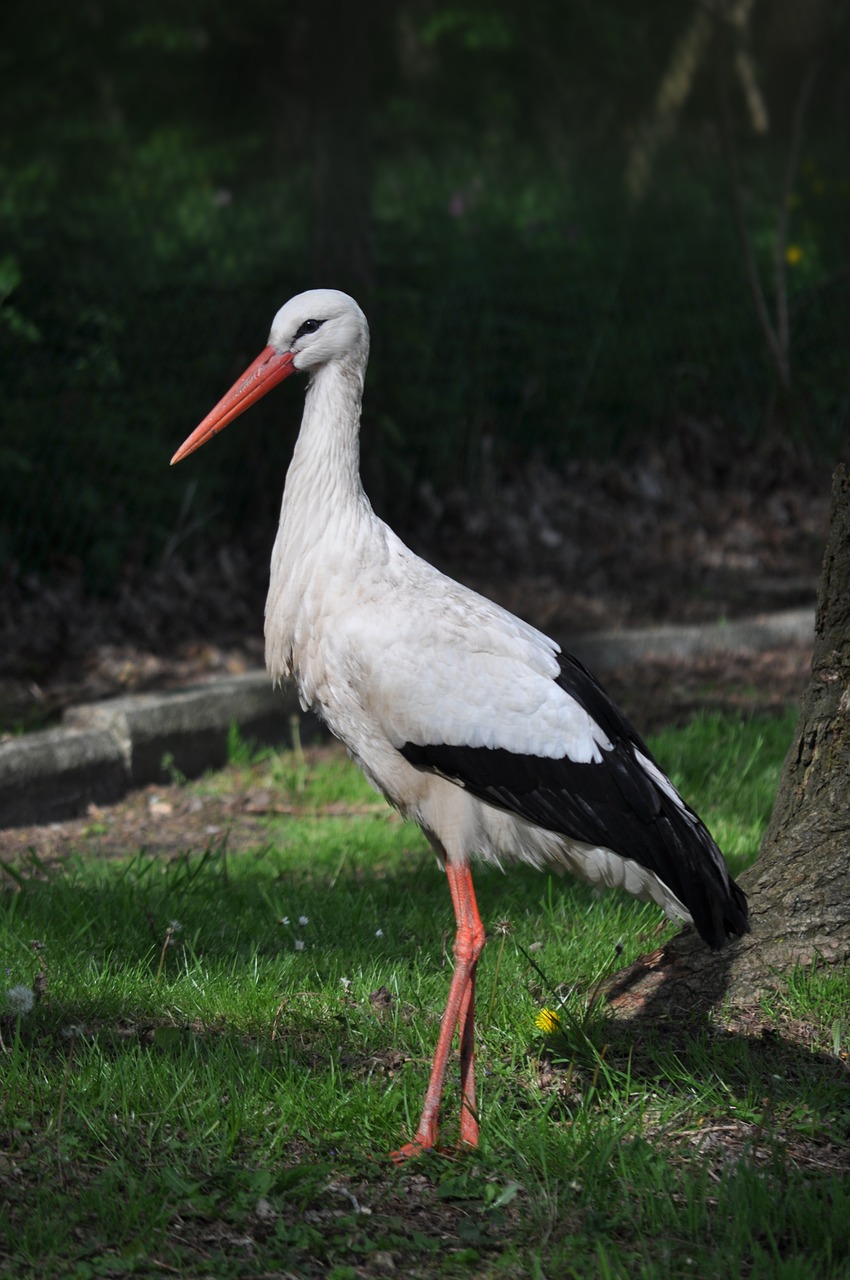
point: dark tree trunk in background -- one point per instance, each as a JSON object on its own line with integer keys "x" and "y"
{"x": 334, "y": 52}
{"x": 341, "y": 162}
{"x": 799, "y": 888}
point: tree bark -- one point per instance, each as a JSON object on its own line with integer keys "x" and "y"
{"x": 323, "y": 101}
{"x": 799, "y": 888}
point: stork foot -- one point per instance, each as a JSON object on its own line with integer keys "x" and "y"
{"x": 409, "y": 1151}
{"x": 425, "y": 1139}
{"x": 423, "y": 1143}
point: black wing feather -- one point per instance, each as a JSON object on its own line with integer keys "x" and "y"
{"x": 615, "y": 805}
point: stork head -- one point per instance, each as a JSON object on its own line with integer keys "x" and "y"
{"x": 311, "y": 330}
{"x": 319, "y": 326}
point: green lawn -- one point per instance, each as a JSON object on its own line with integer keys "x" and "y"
{"x": 228, "y": 1045}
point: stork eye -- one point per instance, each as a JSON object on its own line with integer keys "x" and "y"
{"x": 309, "y": 326}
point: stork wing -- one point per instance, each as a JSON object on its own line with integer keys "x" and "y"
{"x": 531, "y": 731}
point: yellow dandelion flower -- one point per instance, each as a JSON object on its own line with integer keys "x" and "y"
{"x": 548, "y": 1021}
{"x": 793, "y": 254}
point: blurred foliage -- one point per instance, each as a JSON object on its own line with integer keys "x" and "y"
{"x": 170, "y": 175}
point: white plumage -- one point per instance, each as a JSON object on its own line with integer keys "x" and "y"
{"x": 470, "y": 721}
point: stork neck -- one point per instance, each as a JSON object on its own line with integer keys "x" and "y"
{"x": 327, "y": 454}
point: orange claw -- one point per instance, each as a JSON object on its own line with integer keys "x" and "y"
{"x": 409, "y": 1151}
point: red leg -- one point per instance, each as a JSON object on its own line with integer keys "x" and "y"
{"x": 466, "y": 1032}
{"x": 460, "y": 1012}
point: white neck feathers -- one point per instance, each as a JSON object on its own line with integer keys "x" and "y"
{"x": 325, "y": 515}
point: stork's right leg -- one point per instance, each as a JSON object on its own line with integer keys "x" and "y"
{"x": 463, "y": 897}
{"x": 460, "y": 1013}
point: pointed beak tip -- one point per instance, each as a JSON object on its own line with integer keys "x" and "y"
{"x": 270, "y": 368}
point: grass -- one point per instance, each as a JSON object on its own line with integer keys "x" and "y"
{"x": 225, "y": 1046}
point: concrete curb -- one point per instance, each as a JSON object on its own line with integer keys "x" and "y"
{"x": 105, "y": 749}
{"x": 603, "y": 650}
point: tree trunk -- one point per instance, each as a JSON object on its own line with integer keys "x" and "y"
{"x": 324, "y": 103}
{"x": 339, "y": 82}
{"x": 799, "y": 888}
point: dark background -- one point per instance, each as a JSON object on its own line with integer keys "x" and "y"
{"x": 581, "y": 232}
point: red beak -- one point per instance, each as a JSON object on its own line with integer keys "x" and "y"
{"x": 266, "y": 372}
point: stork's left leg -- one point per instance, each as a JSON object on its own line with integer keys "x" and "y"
{"x": 460, "y": 1013}
{"x": 466, "y": 908}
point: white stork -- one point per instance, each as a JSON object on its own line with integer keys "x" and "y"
{"x": 469, "y": 721}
